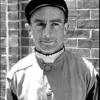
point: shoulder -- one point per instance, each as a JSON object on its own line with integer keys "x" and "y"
{"x": 81, "y": 62}
{"x": 25, "y": 62}
{"x": 77, "y": 58}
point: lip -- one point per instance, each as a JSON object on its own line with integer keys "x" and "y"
{"x": 47, "y": 41}
{"x": 47, "y": 45}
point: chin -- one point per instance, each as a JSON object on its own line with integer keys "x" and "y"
{"x": 48, "y": 51}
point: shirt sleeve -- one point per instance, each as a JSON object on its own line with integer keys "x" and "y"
{"x": 93, "y": 93}
{"x": 91, "y": 81}
{"x": 11, "y": 89}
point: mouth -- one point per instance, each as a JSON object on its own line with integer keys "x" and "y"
{"x": 47, "y": 45}
{"x": 47, "y": 42}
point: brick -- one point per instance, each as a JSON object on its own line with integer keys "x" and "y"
{"x": 25, "y": 50}
{"x": 83, "y": 33}
{"x": 23, "y": 15}
{"x": 2, "y": 16}
{"x": 14, "y": 32}
{"x": 25, "y": 41}
{"x": 2, "y": 94}
{"x": 3, "y": 60}
{"x": 71, "y": 4}
{"x": 2, "y": 75}
{"x": 88, "y": 44}
{"x": 72, "y": 24}
{"x": 3, "y": 25}
{"x": 77, "y": 34}
{"x": 13, "y": 7}
{"x": 24, "y": 33}
{"x": 3, "y": 50}
{"x": 3, "y": 33}
{"x": 3, "y": 67}
{"x": 84, "y": 43}
{"x": 2, "y": 98}
{"x": 95, "y": 14}
{"x": 13, "y": 59}
{"x": 2, "y": 7}
{"x": 72, "y": 14}
{"x": 13, "y": 51}
{"x": 3, "y": 42}
{"x": 2, "y": 1}
{"x": 13, "y": 16}
{"x": 83, "y": 14}
{"x": 95, "y": 35}
{"x": 70, "y": 43}
{"x": 88, "y": 24}
{"x": 92, "y": 4}
{"x": 13, "y": 25}
{"x": 95, "y": 53}
{"x": 80, "y": 52}
{"x": 12, "y": 1}
{"x": 22, "y": 6}
{"x": 95, "y": 44}
{"x": 2, "y": 85}
{"x": 13, "y": 41}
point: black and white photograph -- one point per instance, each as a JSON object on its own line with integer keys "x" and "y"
{"x": 49, "y": 50}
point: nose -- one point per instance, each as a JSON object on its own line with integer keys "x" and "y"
{"x": 47, "y": 31}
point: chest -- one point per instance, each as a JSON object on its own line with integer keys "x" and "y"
{"x": 59, "y": 85}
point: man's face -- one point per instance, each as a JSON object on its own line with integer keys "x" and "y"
{"x": 47, "y": 27}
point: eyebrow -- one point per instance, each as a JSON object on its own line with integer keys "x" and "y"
{"x": 38, "y": 20}
{"x": 57, "y": 20}
{"x": 53, "y": 20}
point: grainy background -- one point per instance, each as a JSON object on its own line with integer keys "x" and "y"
{"x": 82, "y": 36}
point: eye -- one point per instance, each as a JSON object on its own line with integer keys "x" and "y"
{"x": 41, "y": 24}
{"x": 55, "y": 24}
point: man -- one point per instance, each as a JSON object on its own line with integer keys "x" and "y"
{"x": 50, "y": 72}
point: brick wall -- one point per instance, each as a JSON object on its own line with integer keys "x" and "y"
{"x": 82, "y": 36}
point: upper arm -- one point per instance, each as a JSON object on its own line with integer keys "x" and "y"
{"x": 10, "y": 89}
{"x": 91, "y": 81}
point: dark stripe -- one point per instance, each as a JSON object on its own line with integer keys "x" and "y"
{"x": 91, "y": 93}
{"x": 94, "y": 92}
{"x": 14, "y": 96}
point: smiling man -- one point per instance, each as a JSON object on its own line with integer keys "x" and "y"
{"x": 50, "y": 72}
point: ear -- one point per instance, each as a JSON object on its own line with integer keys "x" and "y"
{"x": 28, "y": 28}
{"x": 66, "y": 28}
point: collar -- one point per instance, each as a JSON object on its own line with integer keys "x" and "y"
{"x": 48, "y": 67}
{"x": 49, "y": 58}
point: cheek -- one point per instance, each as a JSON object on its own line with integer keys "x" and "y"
{"x": 60, "y": 34}
{"x": 35, "y": 34}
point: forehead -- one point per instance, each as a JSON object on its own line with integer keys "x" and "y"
{"x": 48, "y": 13}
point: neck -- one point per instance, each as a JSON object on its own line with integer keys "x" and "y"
{"x": 49, "y": 58}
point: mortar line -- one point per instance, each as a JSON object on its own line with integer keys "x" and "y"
{"x": 7, "y": 44}
{"x": 7, "y": 37}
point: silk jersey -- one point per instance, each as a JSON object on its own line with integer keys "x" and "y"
{"x": 70, "y": 78}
